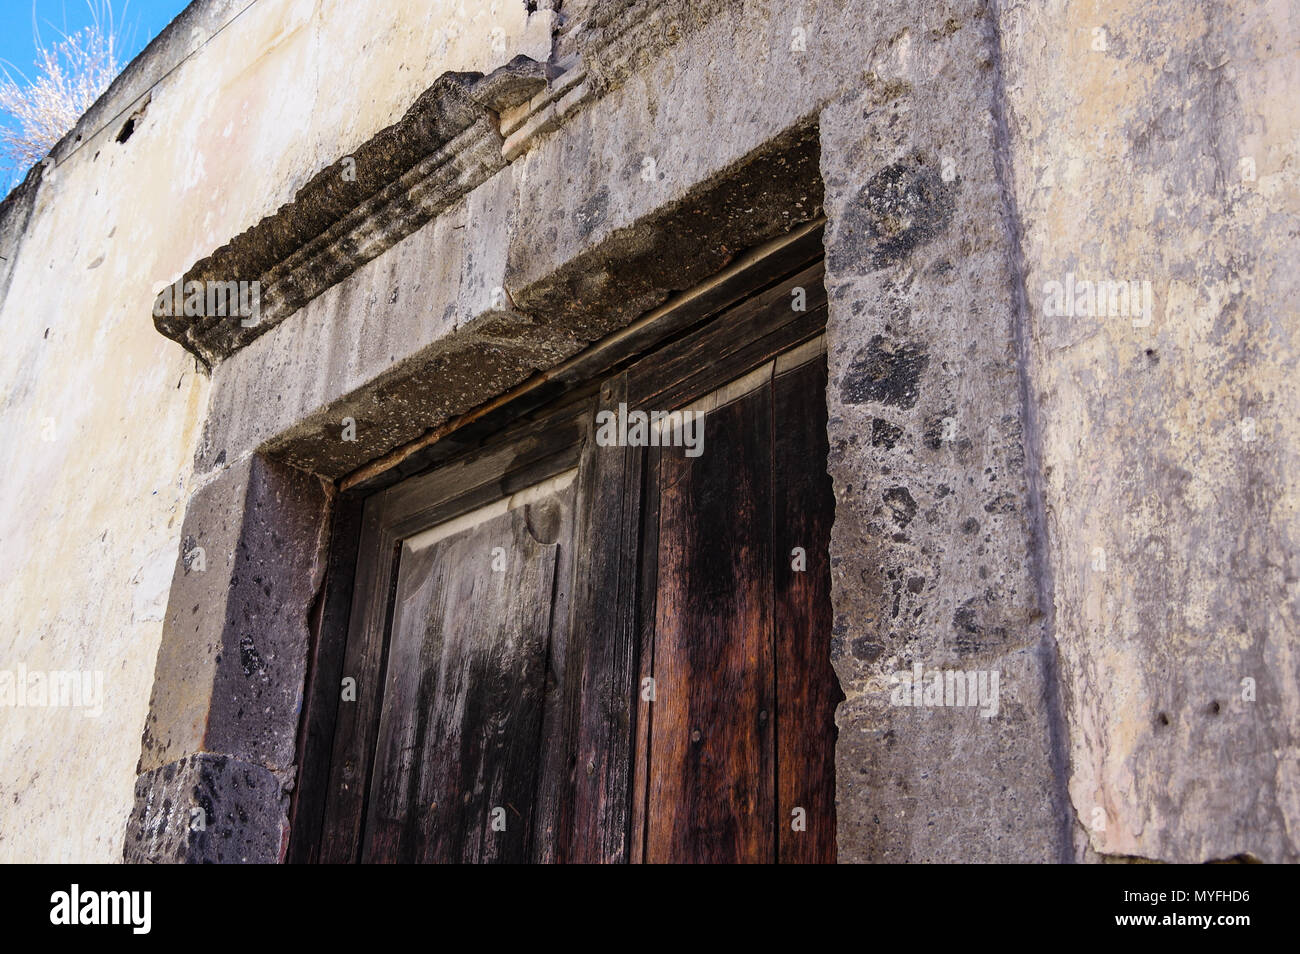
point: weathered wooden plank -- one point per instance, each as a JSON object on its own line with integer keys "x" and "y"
{"x": 321, "y": 697}
{"x": 807, "y": 689}
{"x": 354, "y": 730}
{"x": 532, "y": 449}
{"x": 741, "y": 338}
{"x": 603, "y": 648}
{"x": 699, "y": 305}
{"x": 420, "y": 576}
{"x": 646, "y": 608}
{"x": 422, "y": 515}
{"x": 712, "y": 766}
{"x": 554, "y": 522}
{"x": 457, "y": 763}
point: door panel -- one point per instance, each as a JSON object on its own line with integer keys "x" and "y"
{"x": 711, "y": 755}
{"x": 520, "y": 686}
{"x": 807, "y": 688}
{"x": 456, "y": 768}
{"x": 741, "y": 732}
{"x": 601, "y": 664}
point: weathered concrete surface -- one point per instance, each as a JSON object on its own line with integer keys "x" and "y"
{"x": 1160, "y": 142}
{"x": 424, "y": 332}
{"x": 101, "y": 414}
{"x": 932, "y": 542}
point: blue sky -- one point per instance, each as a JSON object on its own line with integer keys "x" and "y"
{"x": 137, "y": 22}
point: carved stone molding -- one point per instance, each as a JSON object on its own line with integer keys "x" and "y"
{"x": 449, "y": 142}
{"x": 461, "y": 131}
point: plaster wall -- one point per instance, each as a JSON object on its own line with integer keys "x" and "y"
{"x": 235, "y": 106}
{"x": 1159, "y": 142}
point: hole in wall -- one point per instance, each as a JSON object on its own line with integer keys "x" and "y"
{"x": 129, "y": 126}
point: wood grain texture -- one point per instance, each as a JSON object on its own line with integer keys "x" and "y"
{"x": 554, "y": 521}
{"x": 321, "y": 695}
{"x": 743, "y": 338}
{"x": 604, "y": 644}
{"x": 712, "y": 770}
{"x": 529, "y": 452}
{"x": 803, "y": 504}
{"x": 647, "y": 606}
{"x": 461, "y": 728}
{"x": 354, "y": 731}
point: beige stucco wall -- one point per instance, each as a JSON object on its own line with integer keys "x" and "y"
{"x": 1160, "y": 142}
{"x": 101, "y": 414}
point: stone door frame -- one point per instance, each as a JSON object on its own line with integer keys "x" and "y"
{"x": 512, "y": 220}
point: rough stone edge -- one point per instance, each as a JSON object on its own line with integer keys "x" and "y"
{"x": 207, "y": 808}
{"x": 255, "y": 694}
{"x": 690, "y": 239}
{"x": 356, "y": 208}
{"x": 1031, "y": 438}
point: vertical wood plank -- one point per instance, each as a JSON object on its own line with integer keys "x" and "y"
{"x": 322, "y": 691}
{"x": 553, "y": 754}
{"x": 353, "y": 749}
{"x": 647, "y": 603}
{"x": 712, "y": 782}
{"x": 803, "y": 504}
{"x": 604, "y": 646}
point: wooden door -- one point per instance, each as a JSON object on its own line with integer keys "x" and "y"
{"x": 502, "y": 610}
{"x": 457, "y": 764}
{"x": 449, "y": 742}
{"x": 741, "y": 733}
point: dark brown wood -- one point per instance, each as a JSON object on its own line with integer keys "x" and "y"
{"x": 687, "y": 581}
{"x": 711, "y": 747}
{"x": 605, "y": 638}
{"x": 803, "y": 507}
{"x": 529, "y": 453}
{"x": 456, "y": 769}
{"x": 354, "y": 732}
{"x": 529, "y": 433}
{"x": 321, "y": 698}
{"x": 719, "y": 299}
{"x": 743, "y": 338}
{"x": 645, "y": 689}
{"x": 554, "y": 749}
